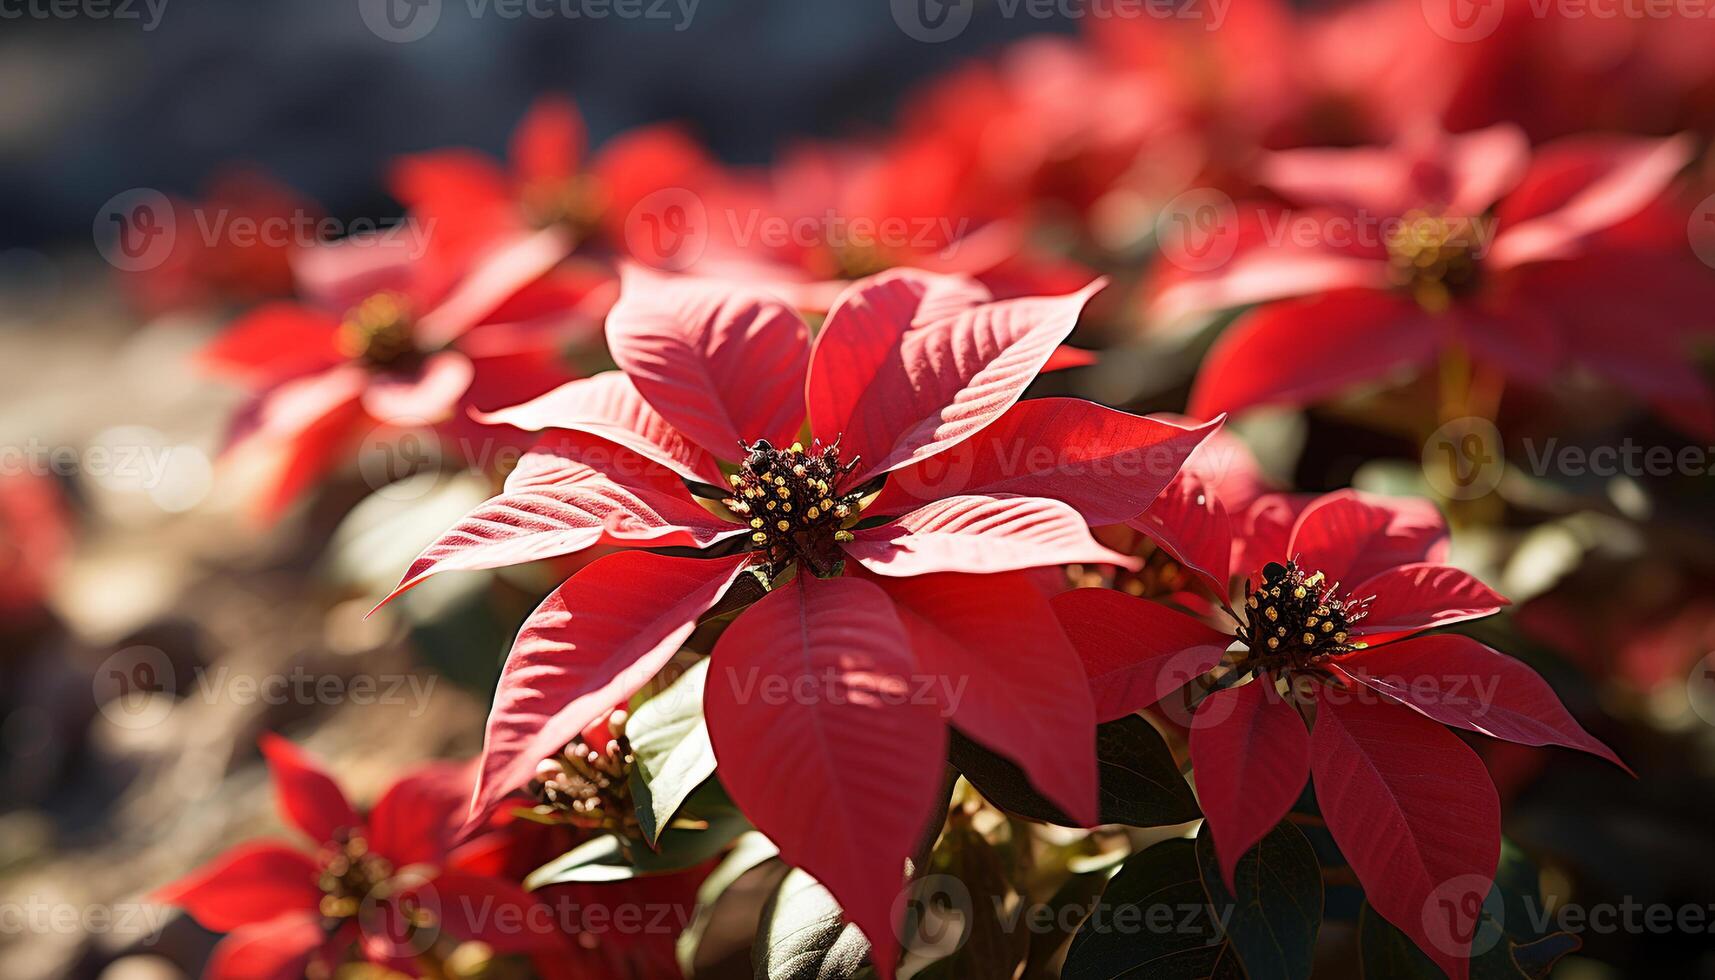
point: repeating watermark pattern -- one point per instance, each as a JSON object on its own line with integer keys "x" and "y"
{"x": 140, "y": 921}
{"x": 1463, "y": 459}
{"x": 143, "y": 464}
{"x": 949, "y": 474}
{"x": 1198, "y": 231}
{"x": 405, "y": 21}
{"x": 1701, "y": 230}
{"x": 137, "y": 230}
{"x": 1464, "y": 21}
{"x": 668, "y": 229}
{"x": 1458, "y": 919}
{"x": 1700, "y": 688}
{"x": 934, "y": 21}
{"x": 1468, "y": 21}
{"x": 933, "y": 915}
{"x": 832, "y": 686}
{"x": 138, "y": 688}
{"x": 673, "y": 228}
{"x": 145, "y": 13}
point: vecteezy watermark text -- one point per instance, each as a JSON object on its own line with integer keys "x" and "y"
{"x": 148, "y": 13}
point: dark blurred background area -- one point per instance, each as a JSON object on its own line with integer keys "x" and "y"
{"x": 305, "y": 91}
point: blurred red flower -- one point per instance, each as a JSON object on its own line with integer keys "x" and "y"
{"x": 388, "y": 886}
{"x": 1396, "y": 261}
{"x": 388, "y": 340}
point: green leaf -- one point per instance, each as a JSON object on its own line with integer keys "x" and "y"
{"x": 1140, "y": 783}
{"x": 1273, "y": 919}
{"x": 803, "y": 936}
{"x": 670, "y": 744}
{"x": 1154, "y": 922}
{"x": 608, "y": 858}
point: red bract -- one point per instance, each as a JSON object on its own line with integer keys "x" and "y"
{"x": 387, "y": 341}
{"x": 235, "y": 245}
{"x": 386, "y": 887}
{"x": 548, "y": 180}
{"x": 829, "y": 697}
{"x": 1334, "y": 615}
{"x": 828, "y": 214}
{"x": 1462, "y": 245}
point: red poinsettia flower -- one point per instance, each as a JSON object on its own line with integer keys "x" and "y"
{"x": 387, "y": 887}
{"x": 827, "y": 709}
{"x": 388, "y": 338}
{"x": 1467, "y": 245}
{"x": 548, "y": 180}
{"x": 1328, "y": 629}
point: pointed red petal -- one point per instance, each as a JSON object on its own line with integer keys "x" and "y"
{"x": 608, "y": 405}
{"x": 979, "y": 535}
{"x": 1297, "y": 352}
{"x": 548, "y": 145}
{"x": 417, "y": 820}
{"x": 1457, "y": 681}
{"x": 1352, "y": 536}
{"x": 307, "y": 796}
{"x": 720, "y": 362}
{"x": 1108, "y": 465}
{"x": 251, "y": 883}
{"x": 1135, "y": 652}
{"x": 1264, "y": 531}
{"x": 1412, "y": 598}
{"x": 273, "y": 343}
{"x": 1251, "y": 754}
{"x": 1415, "y": 814}
{"x": 1582, "y": 187}
{"x": 278, "y": 949}
{"x": 824, "y": 743}
{"x": 1191, "y": 524}
{"x": 498, "y": 276}
{"x": 908, "y": 365}
{"x": 1009, "y": 677}
{"x": 571, "y": 492}
{"x": 592, "y": 644}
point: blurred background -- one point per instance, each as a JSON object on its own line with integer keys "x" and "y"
{"x": 153, "y": 623}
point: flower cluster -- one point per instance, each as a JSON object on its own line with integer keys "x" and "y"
{"x": 856, "y": 579}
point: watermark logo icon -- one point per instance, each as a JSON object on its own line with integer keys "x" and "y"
{"x": 932, "y": 21}
{"x": 393, "y": 452}
{"x": 1464, "y": 21}
{"x": 1198, "y": 231}
{"x": 134, "y": 687}
{"x": 400, "y": 21}
{"x": 668, "y": 230}
{"x": 134, "y": 230}
{"x": 1701, "y": 231}
{"x": 934, "y": 915}
{"x": 1464, "y": 916}
{"x": 1464, "y": 459}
